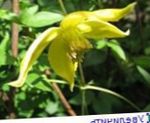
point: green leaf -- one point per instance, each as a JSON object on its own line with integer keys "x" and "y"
{"x": 147, "y": 108}
{"x": 76, "y": 100}
{"x": 35, "y": 80}
{"x": 5, "y": 57}
{"x": 28, "y": 12}
{"x": 6, "y": 15}
{"x": 23, "y": 105}
{"x": 101, "y": 44}
{"x": 147, "y": 50}
{"x": 52, "y": 107}
{"x": 144, "y": 73}
{"x": 143, "y": 61}
{"x": 5, "y": 88}
{"x": 95, "y": 57}
{"x": 30, "y": 17}
{"x": 115, "y": 47}
{"x": 102, "y": 105}
{"x": 3, "y": 49}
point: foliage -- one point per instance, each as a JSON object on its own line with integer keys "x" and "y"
{"x": 120, "y": 65}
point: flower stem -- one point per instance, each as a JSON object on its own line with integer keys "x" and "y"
{"x": 81, "y": 74}
{"x": 83, "y": 92}
{"x": 99, "y": 89}
{"x": 84, "y": 108}
{"x": 61, "y": 3}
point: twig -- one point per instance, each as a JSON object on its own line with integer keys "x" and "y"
{"x": 15, "y": 34}
{"x": 63, "y": 100}
{"x": 61, "y": 96}
{"x": 15, "y": 29}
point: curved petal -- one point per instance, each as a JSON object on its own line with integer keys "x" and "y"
{"x": 97, "y": 29}
{"x": 60, "y": 60}
{"x": 72, "y": 19}
{"x": 113, "y": 14}
{"x": 33, "y": 53}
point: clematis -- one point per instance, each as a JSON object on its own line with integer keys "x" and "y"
{"x": 70, "y": 40}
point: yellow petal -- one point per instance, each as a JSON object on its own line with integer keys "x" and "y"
{"x": 73, "y": 19}
{"x": 98, "y": 29}
{"x": 33, "y": 53}
{"x": 113, "y": 14}
{"x": 60, "y": 60}
{"x": 76, "y": 41}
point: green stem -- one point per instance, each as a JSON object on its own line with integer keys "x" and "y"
{"x": 100, "y": 3}
{"x": 81, "y": 74}
{"x": 84, "y": 109}
{"x": 83, "y": 92}
{"x": 62, "y": 6}
{"x": 100, "y": 89}
{"x": 89, "y": 87}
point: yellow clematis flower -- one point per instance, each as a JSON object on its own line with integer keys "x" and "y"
{"x": 70, "y": 40}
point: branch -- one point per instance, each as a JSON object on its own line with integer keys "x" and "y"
{"x": 15, "y": 29}
{"x": 61, "y": 96}
{"x": 63, "y": 100}
{"x": 8, "y": 98}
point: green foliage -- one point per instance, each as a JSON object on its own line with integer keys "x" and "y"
{"x": 3, "y": 49}
{"x": 31, "y": 18}
{"x": 114, "y": 46}
{"x": 144, "y": 73}
{"x": 6, "y": 15}
{"x": 121, "y": 65}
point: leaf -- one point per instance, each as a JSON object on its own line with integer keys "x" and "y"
{"x": 43, "y": 62}
{"x": 147, "y": 50}
{"x": 30, "y": 17}
{"x": 101, "y": 44}
{"x": 142, "y": 61}
{"x": 36, "y": 80}
{"x": 5, "y": 57}
{"x": 23, "y": 104}
{"x": 6, "y": 15}
{"x": 3, "y": 53}
{"x": 115, "y": 47}
{"x": 144, "y": 73}
{"x": 52, "y": 107}
{"x": 76, "y": 100}
{"x": 147, "y": 108}
{"x": 102, "y": 105}
{"x": 94, "y": 57}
